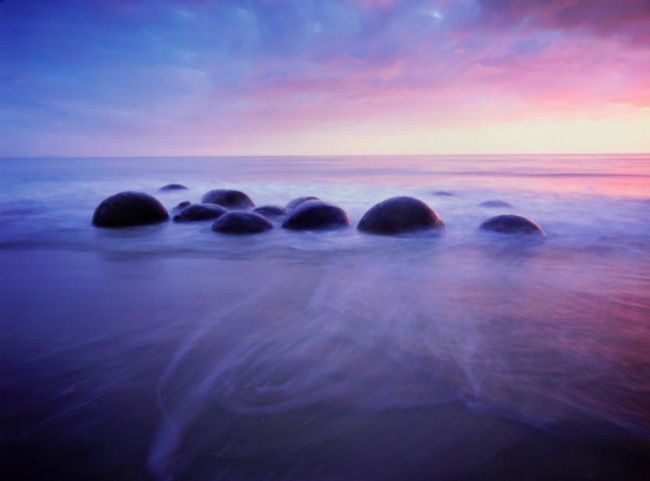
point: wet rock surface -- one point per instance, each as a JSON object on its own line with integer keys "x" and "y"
{"x": 231, "y": 199}
{"x": 129, "y": 209}
{"x": 199, "y": 212}
{"x": 241, "y": 223}
{"x": 399, "y": 215}
{"x": 316, "y": 215}
{"x": 512, "y": 224}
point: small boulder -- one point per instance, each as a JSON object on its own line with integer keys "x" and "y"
{"x": 129, "y": 209}
{"x": 239, "y": 223}
{"x": 197, "y": 212}
{"x": 271, "y": 211}
{"x": 511, "y": 224}
{"x": 230, "y": 199}
{"x": 443, "y": 193}
{"x": 295, "y": 203}
{"x": 399, "y": 215}
{"x": 181, "y": 205}
{"x": 494, "y": 204}
{"x": 316, "y": 215}
{"x": 172, "y": 187}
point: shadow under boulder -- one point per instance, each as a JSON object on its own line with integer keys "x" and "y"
{"x": 129, "y": 209}
{"x": 399, "y": 215}
{"x": 240, "y": 223}
{"x": 230, "y": 199}
{"x": 512, "y": 224}
{"x": 316, "y": 215}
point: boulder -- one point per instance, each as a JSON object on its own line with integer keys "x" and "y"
{"x": 239, "y": 223}
{"x": 511, "y": 224}
{"x": 443, "y": 193}
{"x": 399, "y": 215}
{"x": 172, "y": 187}
{"x": 230, "y": 199}
{"x": 197, "y": 212}
{"x": 181, "y": 206}
{"x": 297, "y": 202}
{"x": 316, "y": 215}
{"x": 494, "y": 204}
{"x": 129, "y": 209}
{"x": 270, "y": 211}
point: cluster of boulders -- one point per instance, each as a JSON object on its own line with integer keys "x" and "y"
{"x": 233, "y": 212}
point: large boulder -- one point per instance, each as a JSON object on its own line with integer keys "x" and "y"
{"x": 271, "y": 211}
{"x": 495, "y": 204}
{"x": 197, "y": 212}
{"x": 239, "y": 223}
{"x": 295, "y": 203}
{"x": 399, "y": 215}
{"x": 512, "y": 224}
{"x": 230, "y": 199}
{"x": 316, "y": 215}
{"x": 172, "y": 187}
{"x": 129, "y": 209}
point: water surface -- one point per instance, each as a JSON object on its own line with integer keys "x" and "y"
{"x": 172, "y": 352}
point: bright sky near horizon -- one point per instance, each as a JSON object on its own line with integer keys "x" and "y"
{"x": 161, "y": 77}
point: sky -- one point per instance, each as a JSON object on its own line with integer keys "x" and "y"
{"x": 262, "y": 77}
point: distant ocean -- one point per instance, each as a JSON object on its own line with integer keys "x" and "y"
{"x": 173, "y": 352}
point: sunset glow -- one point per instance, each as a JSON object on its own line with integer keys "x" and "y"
{"x": 311, "y": 77}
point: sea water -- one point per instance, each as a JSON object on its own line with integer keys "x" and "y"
{"x": 173, "y": 352}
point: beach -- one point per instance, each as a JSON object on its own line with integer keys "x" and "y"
{"x": 169, "y": 351}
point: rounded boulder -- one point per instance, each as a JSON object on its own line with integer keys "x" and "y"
{"x": 295, "y": 203}
{"x": 129, "y": 209}
{"x": 230, "y": 199}
{"x": 495, "y": 204}
{"x": 512, "y": 224}
{"x": 198, "y": 212}
{"x": 316, "y": 215}
{"x": 241, "y": 223}
{"x": 270, "y": 211}
{"x": 172, "y": 187}
{"x": 399, "y": 215}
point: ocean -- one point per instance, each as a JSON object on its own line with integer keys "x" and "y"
{"x": 173, "y": 352}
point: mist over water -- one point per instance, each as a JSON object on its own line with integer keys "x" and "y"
{"x": 173, "y": 352}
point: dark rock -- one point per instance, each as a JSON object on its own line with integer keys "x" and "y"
{"x": 181, "y": 205}
{"x": 399, "y": 215}
{"x": 295, "y": 203}
{"x": 197, "y": 212}
{"x": 271, "y": 211}
{"x": 172, "y": 187}
{"x": 492, "y": 204}
{"x": 129, "y": 209}
{"x": 443, "y": 193}
{"x": 316, "y": 215}
{"x": 241, "y": 223}
{"x": 231, "y": 199}
{"x": 511, "y": 224}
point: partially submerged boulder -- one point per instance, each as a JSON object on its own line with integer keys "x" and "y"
{"x": 181, "y": 206}
{"x": 399, "y": 215}
{"x": 172, "y": 187}
{"x": 316, "y": 215}
{"x": 512, "y": 224}
{"x": 129, "y": 209}
{"x": 240, "y": 223}
{"x": 230, "y": 199}
{"x": 495, "y": 203}
{"x": 295, "y": 203}
{"x": 271, "y": 211}
{"x": 198, "y": 212}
